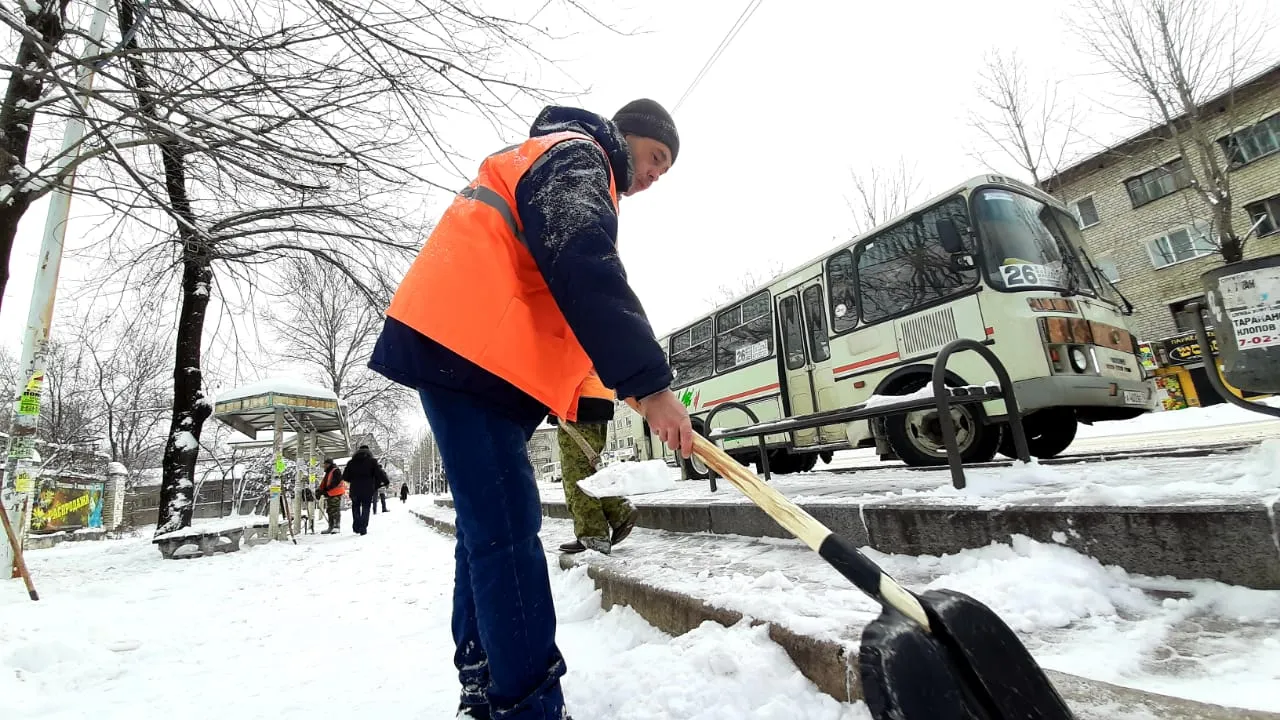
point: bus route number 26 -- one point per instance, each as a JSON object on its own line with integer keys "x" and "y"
{"x": 1022, "y": 274}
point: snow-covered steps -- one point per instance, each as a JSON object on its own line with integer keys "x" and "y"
{"x": 1211, "y": 517}
{"x": 1137, "y": 640}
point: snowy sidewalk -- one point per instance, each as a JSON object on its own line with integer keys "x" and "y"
{"x": 341, "y": 627}
{"x": 1198, "y": 640}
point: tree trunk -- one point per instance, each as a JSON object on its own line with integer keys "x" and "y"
{"x": 17, "y": 117}
{"x": 190, "y": 408}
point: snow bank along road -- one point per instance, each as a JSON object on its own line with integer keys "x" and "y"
{"x": 1200, "y": 640}
{"x": 341, "y": 627}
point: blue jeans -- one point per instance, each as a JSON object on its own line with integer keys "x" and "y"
{"x": 504, "y": 622}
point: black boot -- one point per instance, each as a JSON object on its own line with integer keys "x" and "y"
{"x": 473, "y": 712}
{"x": 573, "y": 548}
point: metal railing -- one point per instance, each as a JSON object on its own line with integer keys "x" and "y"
{"x": 943, "y": 399}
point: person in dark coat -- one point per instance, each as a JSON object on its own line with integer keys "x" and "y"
{"x": 364, "y": 477}
{"x": 551, "y": 217}
{"x": 404, "y": 492}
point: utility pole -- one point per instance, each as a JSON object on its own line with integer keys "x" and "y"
{"x": 18, "y": 482}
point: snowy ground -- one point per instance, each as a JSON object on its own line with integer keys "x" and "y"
{"x": 1200, "y": 640}
{"x": 341, "y": 627}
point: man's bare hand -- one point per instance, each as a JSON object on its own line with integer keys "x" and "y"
{"x": 669, "y": 419}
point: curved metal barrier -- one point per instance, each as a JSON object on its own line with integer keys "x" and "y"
{"x": 944, "y": 398}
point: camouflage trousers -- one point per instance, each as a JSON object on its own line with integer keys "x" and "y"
{"x": 333, "y": 507}
{"x": 592, "y": 517}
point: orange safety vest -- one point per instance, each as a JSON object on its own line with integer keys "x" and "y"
{"x": 475, "y": 288}
{"x": 335, "y": 490}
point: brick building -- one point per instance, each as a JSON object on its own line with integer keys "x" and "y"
{"x": 1147, "y": 230}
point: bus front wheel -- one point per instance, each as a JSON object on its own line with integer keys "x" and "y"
{"x": 1049, "y": 433}
{"x": 916, "y": 437}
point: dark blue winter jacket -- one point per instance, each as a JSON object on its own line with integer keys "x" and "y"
{"x": 571, "y": 230}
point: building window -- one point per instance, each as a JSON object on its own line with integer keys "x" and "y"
{"x": 1265, "y": 214}
{"x": 744, "y": 333}
{"x": 1182, "y": 318}
{"x": 1155, "y": 184}
{"x": 1108, "y": 268}
{"x": 1085, "y": 211}
{"x": 1253, "y": 142}
{"x": 1181, "y": 244}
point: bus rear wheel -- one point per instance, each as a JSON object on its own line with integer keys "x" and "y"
{"x": 916, "y": 437}
{"x": 1049, "y": 433}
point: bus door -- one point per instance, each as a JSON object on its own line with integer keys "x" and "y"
{"x": 806, "y": 348}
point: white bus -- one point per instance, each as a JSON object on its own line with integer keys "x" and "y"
{"x": 994, "y": 260}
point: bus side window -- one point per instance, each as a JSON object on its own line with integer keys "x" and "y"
{"x": 844, "y": 292}
{"x": 691, "y": 357}
{"x": 744, "y": 333}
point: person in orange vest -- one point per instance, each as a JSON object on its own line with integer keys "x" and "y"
{"x": 332, "y": 488}
{"x": 517, "y": 294}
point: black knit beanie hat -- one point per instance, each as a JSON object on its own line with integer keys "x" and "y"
{"x": 647, "y": 118}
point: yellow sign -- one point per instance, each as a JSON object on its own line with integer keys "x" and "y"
{"x": 23, "y": 483}
{"x": 29, "y": 401}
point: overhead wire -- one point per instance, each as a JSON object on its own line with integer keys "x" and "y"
{"x": 743, "y": 18}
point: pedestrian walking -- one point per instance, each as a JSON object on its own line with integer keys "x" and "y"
{"x": 363, "y": 477}
{"x": 517, "y": 294}
{"x": 404, "y": 492}
{"x": 332, "y": 488}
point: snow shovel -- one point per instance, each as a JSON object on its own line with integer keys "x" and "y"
{"x": 16, "y": 544}
{"x": 938, "y": 656}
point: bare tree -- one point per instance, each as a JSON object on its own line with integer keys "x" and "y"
{"x": 38, "y": 26}
{"x": 750, "y": 280}
{"x": 227, "y": 135}
{"x": 1036, "y": 130}
{"x": 881, "y": 194}
{"x": 330, "y": 328}
{"x": 131, "y": 373}
{"x": 1177, "y": 54}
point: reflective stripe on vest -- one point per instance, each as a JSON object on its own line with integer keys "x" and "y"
{"x": 475, "y": 288}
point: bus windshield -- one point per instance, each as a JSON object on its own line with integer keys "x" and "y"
{"x": 1029, "y": 245}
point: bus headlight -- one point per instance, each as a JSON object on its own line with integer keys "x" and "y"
{"x": 1079, "y": 360}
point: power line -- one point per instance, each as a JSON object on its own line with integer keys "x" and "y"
{"x": 747, "y": 12}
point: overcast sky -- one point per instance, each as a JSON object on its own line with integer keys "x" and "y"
{"x": 806, "y": 92}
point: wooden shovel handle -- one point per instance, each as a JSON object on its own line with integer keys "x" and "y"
{"x": 837, "y": 551}
{"x": 17, "y": 553}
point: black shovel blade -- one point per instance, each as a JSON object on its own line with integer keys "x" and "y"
{"x": 970, "y": 667}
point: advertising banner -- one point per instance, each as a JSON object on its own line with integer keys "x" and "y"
{"x": 66, "y": 505}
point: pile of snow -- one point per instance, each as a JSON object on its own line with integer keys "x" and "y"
{"x": 200, "y": 527}
{"x": 255, "y": 634}
{"x": 1186, "y": 419}
{"x": 629, "y": 478}
{"x": 280, "y": 386}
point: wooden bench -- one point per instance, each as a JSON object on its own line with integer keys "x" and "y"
{"x": 194, "y": 541}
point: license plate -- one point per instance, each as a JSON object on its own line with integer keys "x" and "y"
{"x": 1134, "y": 397}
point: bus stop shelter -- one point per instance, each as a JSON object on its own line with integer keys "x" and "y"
{"x": 313, "y": 415}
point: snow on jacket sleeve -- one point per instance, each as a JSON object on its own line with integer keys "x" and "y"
{"x": 571, "y": 230}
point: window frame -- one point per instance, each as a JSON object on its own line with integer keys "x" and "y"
{"x": 1165, "y": 167}
{"x": 1072, "y": 206}
{"x": 1270, "y": 123}
{"x": 1190, "y": 229}
{"x": 679, "y": 382}
{"x": 1271, "y": 207}
{"x": 1098, "y": 264}
{"x": 831, "y": 298}
{"x": 860, "y": 247}
{"x": 715, "y": 337}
